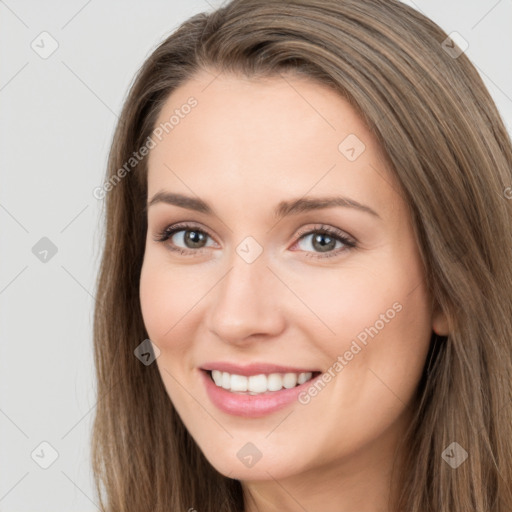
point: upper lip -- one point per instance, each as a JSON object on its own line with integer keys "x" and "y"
{"x": 253, "y": 368}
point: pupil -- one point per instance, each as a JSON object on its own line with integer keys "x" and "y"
{"x": 324, "y": 247}
{"x": 194, "y": 237}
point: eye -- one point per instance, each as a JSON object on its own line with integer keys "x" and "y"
{"x": 192, "y": 238}
{"x": 324, "y": 239}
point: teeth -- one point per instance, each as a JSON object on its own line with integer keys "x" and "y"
{"x": 303, "y": 377}
{"x": 217, "y": 377}
{"x": 274, "y": 382}
{"x": 238, "y": 383}
{"x": 256, "y": 384}
{"x": 290, "y": 380}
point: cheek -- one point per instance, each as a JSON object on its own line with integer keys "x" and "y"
{"x": 386, "y": 345}
{"x": 380, "y": 320}
{"x": 343, "y": 303}
{"x": 164, "y": 310}
{"x": 162, "y": 301}
{"x": 170, "y": 297}
{"x": 153, "y": 300}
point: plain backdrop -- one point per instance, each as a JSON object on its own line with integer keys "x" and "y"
{"x": 58, "y": 113}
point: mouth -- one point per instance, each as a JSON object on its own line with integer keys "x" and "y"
{"x": 254, "y": 390}
{"x": 261, "y": 383}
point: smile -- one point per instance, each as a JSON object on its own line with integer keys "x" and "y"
{"x": 257, "y": 384}
{"x": 256, "y": 390}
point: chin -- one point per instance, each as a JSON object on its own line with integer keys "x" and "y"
{"x": 245, "y": 460}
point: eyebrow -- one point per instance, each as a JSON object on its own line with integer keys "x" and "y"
{"x": 290, "y": 207}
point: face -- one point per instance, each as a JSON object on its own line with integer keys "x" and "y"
{"x": 281, "y": 281}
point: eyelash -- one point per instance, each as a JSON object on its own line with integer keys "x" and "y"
{"x": 323, "y": 229}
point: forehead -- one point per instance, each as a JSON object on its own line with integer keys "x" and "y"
{"x": 258, "y": 137}
{"x": 293, "y": 107}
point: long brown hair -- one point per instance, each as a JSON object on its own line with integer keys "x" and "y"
{"x": 452, "y": 155}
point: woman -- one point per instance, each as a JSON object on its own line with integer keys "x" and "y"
{"x": 304, "y": 300}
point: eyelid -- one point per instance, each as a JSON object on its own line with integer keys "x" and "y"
{"x": 172, "y": 229}
{"x": 348, "y": 240}
{"x": 327, "y": 229}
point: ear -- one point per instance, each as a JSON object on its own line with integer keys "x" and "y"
{"x": 440, "y": 322}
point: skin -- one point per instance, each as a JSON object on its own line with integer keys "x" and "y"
{"x": 246, "y": 146}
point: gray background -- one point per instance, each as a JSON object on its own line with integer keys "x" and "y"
{"x": 57, "y": 119}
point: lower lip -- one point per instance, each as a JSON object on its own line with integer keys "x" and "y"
{"x": 251, "y": 406}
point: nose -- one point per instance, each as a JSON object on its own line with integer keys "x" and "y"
{"x": 245, "y": 305}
